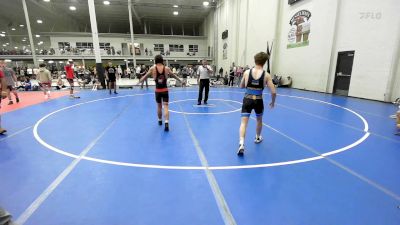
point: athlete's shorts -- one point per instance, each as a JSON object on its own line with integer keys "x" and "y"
{"x": 45, "y": 84}
{"x": 250, "y": 104}
{"x": 162, "y": 97}
{"x": 71, "y": 83}
{"x": 111, "y": 78}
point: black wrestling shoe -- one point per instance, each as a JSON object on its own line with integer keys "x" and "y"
{"x": 240, "y": 151}
{"x": 199, "y": 103}
{"x": 115, "y": 92}
{"x": 166, "y": 127}
{"x": 205, "y": 102}
{"x": 17, "y": 100}
{"x": 160, "y": 122}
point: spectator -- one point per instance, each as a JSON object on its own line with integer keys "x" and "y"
{"x": 3, "y": 87}
{"x": 119, "y": 69}
{"x": 143, "y": 72}
{"x": 60, "y": 84}
{"x": 128, "y": 72}
{"x": 184, "y": 76}
{"x": 231, "y": 77}
{"x": 11, "y": 79}
{"x": 44, "y": 78}
{"x": 137, "y": 71}
{"x": 239, "y": 74}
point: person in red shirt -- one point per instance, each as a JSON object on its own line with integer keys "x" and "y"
{"x": 3, "y": 89}
{"x": 69, "y": 70}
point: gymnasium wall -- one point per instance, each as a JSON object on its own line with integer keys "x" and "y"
{"x": 371, "y": 29}
{"x": 335, "y": 25}
{"x": 308, "y": 65}
{"x": 209, "y": 31}
{"x": 250, "y": 25}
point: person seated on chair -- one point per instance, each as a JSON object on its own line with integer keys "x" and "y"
{"x": 60, "y": 84}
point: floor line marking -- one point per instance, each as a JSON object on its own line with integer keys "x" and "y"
{"x": 60, "y": 151}
{"x": 339, "y": 123}
{"x": 212, "y": 181}
{"x": 61, "y": 177}
{"x": 15, "y": 133}
{"x": 205, "y": 113}
{"x": 334, "y": 162}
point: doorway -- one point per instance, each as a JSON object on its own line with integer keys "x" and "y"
{"x": 344, "y": 68}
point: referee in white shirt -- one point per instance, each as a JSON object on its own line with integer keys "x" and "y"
{"x": 204, "y": 72}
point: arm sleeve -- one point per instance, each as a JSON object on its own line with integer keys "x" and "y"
{"x": 49, "y": 76}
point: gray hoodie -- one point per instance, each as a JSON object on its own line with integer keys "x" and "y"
{"x": 44, "y": 75}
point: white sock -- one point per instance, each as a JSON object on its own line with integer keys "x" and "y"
{"x": 241, "y": 142}
{"x": 166, "y": 121}
{"x": 159, "y": 119}
{"x": 258, "y": 136}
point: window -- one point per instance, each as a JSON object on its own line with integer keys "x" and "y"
{"x": 105, "y": 46}
{"x": 193, "y": 48}
{"x": 159, "y": 47}
{"x": 176, "y": 48}
{"x": 63, "y": 45}
{"x": 84, "y": 45}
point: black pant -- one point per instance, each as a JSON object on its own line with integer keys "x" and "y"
{"x": 230, "y": 83}
{"x": 147, "y": 83}
{"x": 204, "y": 83}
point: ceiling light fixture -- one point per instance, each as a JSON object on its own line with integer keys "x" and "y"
{"x": 13, "y": 28}
{"x": 16, "y": 47}
{"x": 206, "y": 3}
{"x": 37, "y": 35}
{"x": 23, "y": 40}
{"x": 46, "y": 0}
{"x": 7, "y": 60}
{"x": 72, "y": 8}
{"x": 176, "y": 6}
{"x": 106, "y": 2}
{"x": 3, "y": 32}
{"x": 39, "y": 21}
{"x": 21, "y": 25}
{"x": 176, "y": 13}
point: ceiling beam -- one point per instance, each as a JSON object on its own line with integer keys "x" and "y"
{"x": 136, "y": 15}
